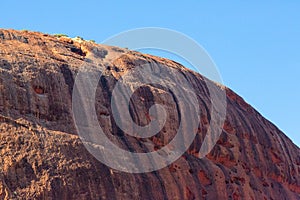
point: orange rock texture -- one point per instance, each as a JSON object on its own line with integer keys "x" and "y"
{"x": 42, "y": 156}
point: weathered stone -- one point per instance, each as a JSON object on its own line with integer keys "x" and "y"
{"x": 42, "y": 156}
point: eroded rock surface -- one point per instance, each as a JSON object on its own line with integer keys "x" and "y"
{"x": 42, "y": 157}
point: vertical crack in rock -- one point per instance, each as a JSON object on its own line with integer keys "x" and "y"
{"x": 68, "y": 76}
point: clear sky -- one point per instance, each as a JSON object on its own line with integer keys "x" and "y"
{"x": 256, "y": 46}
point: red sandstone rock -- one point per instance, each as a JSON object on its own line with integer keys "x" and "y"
{"x": 42, "y": 156}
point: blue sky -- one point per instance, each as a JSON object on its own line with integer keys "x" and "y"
{"x": 256, "y": 46}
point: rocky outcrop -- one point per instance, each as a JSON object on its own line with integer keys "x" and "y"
{"x": 42, "y": 156}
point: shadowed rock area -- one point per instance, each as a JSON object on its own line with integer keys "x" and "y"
{"x": 42, "y": 156}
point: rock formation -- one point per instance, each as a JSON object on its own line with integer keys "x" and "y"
{"x": 42, "y": 157}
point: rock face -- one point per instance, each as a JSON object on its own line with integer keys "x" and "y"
{"x": 42, "y": 157}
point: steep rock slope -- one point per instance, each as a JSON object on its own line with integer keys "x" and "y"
{"x": 42, "y": 156}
